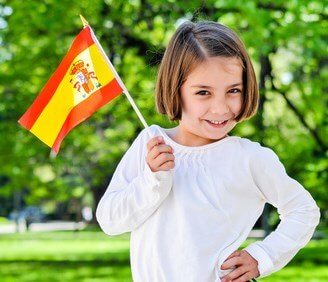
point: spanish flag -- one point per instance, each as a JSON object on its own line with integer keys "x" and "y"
{"x": 84, "y": 81}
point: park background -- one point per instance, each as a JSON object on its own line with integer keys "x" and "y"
{"x": 287, "y": 41}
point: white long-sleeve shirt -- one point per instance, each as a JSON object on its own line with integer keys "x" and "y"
{"x": 185, "y": 222}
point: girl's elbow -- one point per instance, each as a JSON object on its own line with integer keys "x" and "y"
{"x": 107, "y": 225}
{"x": 312, "y": 214}
{"x": 316, "y": 214}
{"x": 104, "y": 222}
{"x": 311, "y": 211}
{"x": 110, "y": 230}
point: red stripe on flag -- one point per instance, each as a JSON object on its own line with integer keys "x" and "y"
{"x": 86, "y": 108}
{"x": 83, "y": 41}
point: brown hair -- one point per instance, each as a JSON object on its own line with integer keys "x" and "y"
{"x": 191, "y": 44}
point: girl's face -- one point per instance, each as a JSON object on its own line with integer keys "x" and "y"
{"x": 211, "y": 100}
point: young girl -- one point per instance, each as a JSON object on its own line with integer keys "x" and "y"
{"x": 190, "y": 195}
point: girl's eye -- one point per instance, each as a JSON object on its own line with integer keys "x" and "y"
{"x": 203, "y": 93}
{"x": 234, "y": 91}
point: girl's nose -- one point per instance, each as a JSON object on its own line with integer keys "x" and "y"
{"x": 219, "y": 106}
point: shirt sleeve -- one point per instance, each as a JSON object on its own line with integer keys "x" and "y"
{"x": 298, "y": 212}
{"x": 134, "y": 192}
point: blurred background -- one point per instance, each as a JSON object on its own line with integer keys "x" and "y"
{"x": 47, "y": 204}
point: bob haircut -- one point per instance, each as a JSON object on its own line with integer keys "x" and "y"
{"x": 190, "y": 45}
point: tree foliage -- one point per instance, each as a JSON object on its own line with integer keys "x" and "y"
{"x": 287, "y": 41}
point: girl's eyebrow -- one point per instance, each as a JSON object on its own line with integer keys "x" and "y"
{"x": 236, "y": 84}
{"x": 201, "y": 86}
{"x": 210, "y": 87}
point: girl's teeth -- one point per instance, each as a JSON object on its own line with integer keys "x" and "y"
{"x": 216, "y": 122}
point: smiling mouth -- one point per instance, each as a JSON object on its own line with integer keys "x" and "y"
{"x": 217, "y": 122}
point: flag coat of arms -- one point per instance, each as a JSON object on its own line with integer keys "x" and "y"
{"x": 83, "y": 82}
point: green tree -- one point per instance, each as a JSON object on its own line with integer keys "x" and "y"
{"x": 286, "y": 39}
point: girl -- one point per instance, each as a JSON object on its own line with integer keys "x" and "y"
{"x": 191, "y": 194}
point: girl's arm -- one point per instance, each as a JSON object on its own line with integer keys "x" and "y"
{"x": 298, "y": 213}
{"x": 134, "y": 192}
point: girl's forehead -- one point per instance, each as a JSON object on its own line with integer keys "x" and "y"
{"x": 228, "y": 65}
{"x": 216, "y": 71}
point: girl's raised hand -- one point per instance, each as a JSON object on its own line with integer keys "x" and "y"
{"x": 160, "y": 156}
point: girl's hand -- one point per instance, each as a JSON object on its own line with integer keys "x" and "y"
{"x": 160, "y": 156}
{"x": 244, "y": 265}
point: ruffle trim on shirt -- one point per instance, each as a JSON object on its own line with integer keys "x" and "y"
{"x": 157, "y": 130}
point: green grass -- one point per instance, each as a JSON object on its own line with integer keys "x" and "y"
{"x": 64, "y": 256}
{"x": 91, "y": 256}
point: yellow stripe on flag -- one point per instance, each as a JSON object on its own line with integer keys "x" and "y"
{"x": 66, "y": 97}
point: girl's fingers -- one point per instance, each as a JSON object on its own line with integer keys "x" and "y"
{"x": 234, "y": 254}
{"x": 231, "y": 263}
{"x": 158, "y": 150}
{"x": 168, "y": 165}
{"x": 162, "y": 161}
{"x": 233, "y": 260}
{"x": 163, "y": 158}
{"x": 160, "y": 156}
{"x": 244, "y": 267}
{"x": 154, "y": 142}
{"x": 165, "y": 166}
{"x": 156, "y": 146}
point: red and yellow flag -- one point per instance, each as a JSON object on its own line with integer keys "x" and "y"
{"x": 83, "y": 82}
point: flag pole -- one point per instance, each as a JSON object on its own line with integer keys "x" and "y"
{"x": 125, "y": 91}
{"x": 84, "y": 21}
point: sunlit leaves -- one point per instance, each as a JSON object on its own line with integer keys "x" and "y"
{"x": 35, "y": 35}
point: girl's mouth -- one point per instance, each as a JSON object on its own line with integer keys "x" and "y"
{"x": 217, "y": 123}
